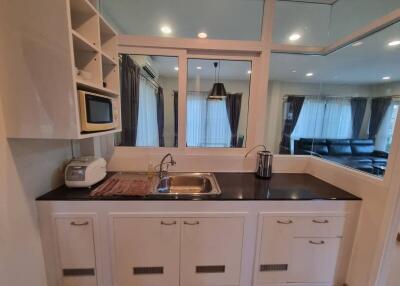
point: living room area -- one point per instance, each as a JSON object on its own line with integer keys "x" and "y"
{"x": 340, "y": 105}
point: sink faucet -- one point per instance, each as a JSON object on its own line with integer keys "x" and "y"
{"x": 163, "y": 172}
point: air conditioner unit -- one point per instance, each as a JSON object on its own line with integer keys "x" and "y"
{"x": 146, "y": 63}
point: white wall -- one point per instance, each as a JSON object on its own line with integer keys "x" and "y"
{"x": 28, "y": 168}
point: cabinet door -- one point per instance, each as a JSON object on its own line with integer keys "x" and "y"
{"x": 314, "y": 260}
{"x": 211, "y": 251}
{"x": 76, "y": 251}
{"x": 146, "y": 251}
{"x": 275, "y": 249}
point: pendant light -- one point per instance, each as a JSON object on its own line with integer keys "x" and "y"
{"x": 218, "y": 90}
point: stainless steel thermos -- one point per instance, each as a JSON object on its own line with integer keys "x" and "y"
{"x": 264, "y": 162}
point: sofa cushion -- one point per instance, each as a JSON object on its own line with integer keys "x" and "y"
{"x": 362, "y": 150}
{"x": 314, "y": 145}
{"x": 362, "y": 142}
{"x": 338, "y": 141}
{"x": 339, "y": 149}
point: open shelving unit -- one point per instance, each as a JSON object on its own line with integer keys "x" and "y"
{"x": 95, "y": 55}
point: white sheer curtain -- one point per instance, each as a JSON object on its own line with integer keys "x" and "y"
{"x": 338, "y": 121}
{"x": 384, "y": 136}
{"x": 196, "y": 114}
{"x": 207, "y": 122}
{"x": 324, "y": 118}
{"x": 147, "y": 130}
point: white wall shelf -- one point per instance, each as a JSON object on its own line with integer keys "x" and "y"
{"x": 78, "y": 51}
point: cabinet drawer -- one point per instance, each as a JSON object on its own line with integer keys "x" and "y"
{"x": 314, "y": 260}
{"x": 75, "y": 240}
{"x": 323, "y": 226}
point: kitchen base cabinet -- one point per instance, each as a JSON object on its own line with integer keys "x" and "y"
{"x": 146, "y": 251}
{"x": 298, "y": 248}
{"x": 314, "y": 260}
{"x": 211, "y": 251}
{"x": 76, "y": 250}
{"x": 183, "y": 243}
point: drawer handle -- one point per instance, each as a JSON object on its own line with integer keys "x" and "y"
{"x": 168, "y": 223}
{"x": 78, "y": 272}
{"x": 191, "y": 223}
{"x": 284, "y": 222}
{"x": 148, "y": 270}
{"x": 316, "y": 242}
{"x": 210, "y": 269}
{"x": 73, "y": 223}
{"x": 320, "y": 221}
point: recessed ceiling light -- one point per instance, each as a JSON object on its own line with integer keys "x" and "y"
{"x": 176, "y": 68}
{"x": 294, "y": 37}
{"x": 310, "y": 74}
{"x": 166, "y": 30}
{"x": 394, "y": 43}
{"x": 357, "y": 44}
{"x": 199, "y": 68}
{"x": 202, "y": 35}
{"x": 294, "y": 71}
{"x": 386, "y": 78}
{"x": 249, "y": 72}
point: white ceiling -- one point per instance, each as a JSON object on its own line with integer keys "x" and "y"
{"x": 220, "y": 19}
{"x": 229, "y": 70}
{"x": 364, "y": 64}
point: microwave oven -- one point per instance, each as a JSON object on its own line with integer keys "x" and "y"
{"x": 97, "y": 112}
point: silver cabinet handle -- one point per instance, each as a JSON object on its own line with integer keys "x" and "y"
{"x": 284, "y": 222}
{"x": 191, "y": 223}
{"x": 316, "y": 242}
{"x": 73, "y": 223}
{"x": 320, "y": 221}
{"x": 168, "y": 223}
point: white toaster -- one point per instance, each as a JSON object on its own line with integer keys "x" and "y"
{"x": 84, "y": 172}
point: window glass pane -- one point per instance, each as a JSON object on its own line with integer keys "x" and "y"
{"x": 149, "y": 97}
{"x": 341, "y": 107}
{"x": 217, "y": 118}
{"x": 219, "y": 19}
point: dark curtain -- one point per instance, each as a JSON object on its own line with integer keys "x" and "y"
{"x": 130, "y": 80}
{"x": 379, "y": 107}
{"x": 160, "y": 116}
{"x": 358, "y": 105}
{"x": 176, "y": 118}
{"x": 295, "y": 104}
{"x": 233, "y": 104}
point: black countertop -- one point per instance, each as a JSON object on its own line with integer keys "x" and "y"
{"x": 234, "y": 187}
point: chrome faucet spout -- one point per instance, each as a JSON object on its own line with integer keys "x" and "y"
{"x": 162, "y": 172}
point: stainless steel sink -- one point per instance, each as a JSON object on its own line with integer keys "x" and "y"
{"x": 194, "y": 184}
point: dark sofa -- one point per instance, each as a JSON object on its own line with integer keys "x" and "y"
{"x": 355, "y": 153}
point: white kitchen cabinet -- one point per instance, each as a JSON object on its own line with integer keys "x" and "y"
{"x": 298, "y": 248}
{"x": 146, "y": 251}
{"x": 314, "y": 260}
{"x": 275, "y": 248}
{"x": 211, "y": 251}
{"x": 62, "y": 36}
{"x": 76, "y": 250}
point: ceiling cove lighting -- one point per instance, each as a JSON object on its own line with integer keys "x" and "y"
{"x": 357, "y": 44}
{"x": 176, "y": 68}
{"x": 294, "y": 37}
{"x": 394, "y": 43}
{"x": 218, "y": 90}
{"x": 202, "y": 35}
{"x": 386, "y": 78}
{"x": 310, "y": 74}
{"x": 166, "y": 30}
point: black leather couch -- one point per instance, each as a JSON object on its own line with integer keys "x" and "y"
{"x": 356, "y": 153}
